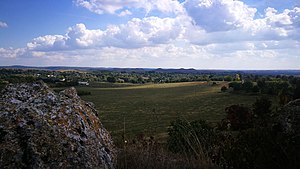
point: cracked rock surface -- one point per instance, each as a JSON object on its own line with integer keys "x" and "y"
{"x": 42, "y": 129}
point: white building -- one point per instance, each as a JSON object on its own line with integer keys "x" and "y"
{"x": 84, "y": 83}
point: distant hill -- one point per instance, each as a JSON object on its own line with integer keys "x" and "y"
{"x": 162, "y": 70}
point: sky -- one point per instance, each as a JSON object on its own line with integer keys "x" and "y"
{"x": 200, "y": 34}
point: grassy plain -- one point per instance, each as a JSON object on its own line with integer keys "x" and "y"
{"x": 150, "y": 108}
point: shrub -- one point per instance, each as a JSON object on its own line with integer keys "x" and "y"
{"x": 235, "y": 85}
{"x": 262, "y": 108}
{"x": 247, "y": 86}
{"x": 192, "y": 139}
{"x": 82, "y": 92}
{"x": 224, "y": 88}
{"x": 111, "y": 79}
{"x": 261, "y": 148}
{"x": 255, "y": 89}
{"x": 138, "y": 155}
{"x": 239, "y": 117}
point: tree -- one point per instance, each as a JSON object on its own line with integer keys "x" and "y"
{"x": 247, "y": 86}
{"x": 285, "y": 96}
{"x": 238, "y": 77}
{"x": 262, "y": 109}
{"x": 235, "y": 85}
{"x": 297, "y": 90}
{"x": 111, "y": 79}
{"x": 261, "y": 83}
{"x": 228, "y": 78}
{"x": 255, "y": 89}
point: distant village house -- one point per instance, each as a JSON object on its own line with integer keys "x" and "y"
{"x": 120, "y": 80}
{"x": 84, "y": 83}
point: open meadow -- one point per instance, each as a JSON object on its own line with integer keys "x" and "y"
{"x": 148, "y": 109}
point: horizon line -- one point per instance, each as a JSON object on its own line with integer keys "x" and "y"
{"x": 108, "y": 67}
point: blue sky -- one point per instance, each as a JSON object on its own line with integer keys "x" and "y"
{"x": 203, "y": 34}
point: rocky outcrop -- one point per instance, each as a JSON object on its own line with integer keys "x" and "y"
{"x": 42, "y": 129}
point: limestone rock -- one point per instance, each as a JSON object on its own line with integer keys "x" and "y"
{"x": 42, "y": 129}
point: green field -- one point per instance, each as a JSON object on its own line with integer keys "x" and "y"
{"x": 150, "y": 108}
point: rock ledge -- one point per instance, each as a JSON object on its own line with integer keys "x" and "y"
{"x": 42, "y": 129}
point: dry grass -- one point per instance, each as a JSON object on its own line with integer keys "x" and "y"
{"x": 151, "y": 155}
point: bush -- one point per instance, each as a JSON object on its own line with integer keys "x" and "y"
{"x": 239, "y": 117}
{"x": 261, "y": 148}
{"x": 82, "y": 92}
{"x": 192, "y": 139}
{"x": 255, "y": 89}
{"x": 224, "y": 89}
{"x": 235, "y": 85}
{"x": 247, "y": 86}
{"x": 262, "y": 108}
{"x": 111, "y": 79}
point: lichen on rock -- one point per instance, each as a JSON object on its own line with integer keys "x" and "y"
{"x": 42, "y": 129}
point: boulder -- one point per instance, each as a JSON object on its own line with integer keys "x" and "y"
{"x": 42, "y": 129}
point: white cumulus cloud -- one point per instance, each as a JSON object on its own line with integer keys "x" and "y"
{"x": 134, "y": 34}
{"x": 143, "y": 32}
{"x": 273, "y": 25}
{"x": 79, "y": 36}
{"x": 3, "y": 24}
{"x": 285, "y": 19}
{"x": 195, "y": 33}
{"x": 125, "y": 13}
{"x": 11, "y": 52}
{"x": 121, "y": 6}
{"x": 53, "y": 42}
{"x": 219, "y": 15}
